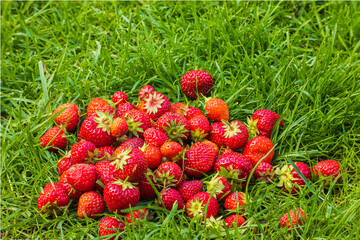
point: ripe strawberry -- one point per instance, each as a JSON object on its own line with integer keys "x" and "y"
{"x": 297, "y": 218}
{"x": 199, "y": 159}
{"x": 110, "y": 226}
{"x": 69, "y": 115}
{"x": 257, "y": 148}
{"x": 290, "y": 180}
{"x": 118, "y": 127}
{"x": 178, "y": 108}
{"x": 120, "y": 195}
{"x": 65, "y": 184}
{"x": 263, "y": 122}
{"x": 196, "y": 83}
{"x": 187, "y": 189}
{"x": 153, "y": 155}
{"x": 217, "y": 134}
{"x": 82, "y": 151}
{"x": 82, "y": 177}
{"x": 53, "y": 198}
{"x": 327, "y": 168}
{"x": 119, "y": 97}
{"x": 133, "y": 143}
{"x": 213, "y": 145}
{"x": 156, "y": 104}
{"x": 191, "y": 112}
{"x": 105, "y": 153}
{"x": 130, "y": 164}
{"x": 236, "y": 200}
{"x": 64, "y": 163}
{"x": 91, "y": 204}
{"x": 218, "y": 186}
{"x": 216, "y": 109}
{"x": 169, "y": 174}
{"x": 236, "y": 134}
{"x": 98, "y": 104}
{"x": 155, "y": 137}
{"x": 137, "y": 122}
{"x": 200, "y": 127}
{"x": 174, "y": 125}
{"x": 145, "y": 188}
{"x": 171, "y": 151}
{"x": 264, "y": 172}
{"x": 141, "y": 105}
{"x": 137, "y": 215}
{"x": 145, "y": 91}
{"x": 105, "y": 172}
{"x": 233, "y": 220}
{"x": 195, "y": 206}
{"x": 169, "y": 196}
{"x": 122, "y": 108}
{"x": 54, "y": 138}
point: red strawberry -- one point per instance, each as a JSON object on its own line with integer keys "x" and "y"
{"x": 174, "y": 125}
{"x": 219, "y": 186}
{"x": 54, "y": 138}
{"x": 172, "y": 151}
{"x": 235, "y": 201}
{"x": 263, "y": 122}
{"x": 82, "y": 151}
{"x": 195, "y": 206}
{"x": 122, "y": 108}
{"x": 98, "y": 104}
{"x": 178, "y": 108}
{"x": 257, "y": 148}
{"x": 233, "y": 220}
{"x": 187, "y": 189}
{"x": 70, "y": 190}
{"x": 297, "y": 218}
{"x": 141, "y": 106}
{"x": 119, "y": 97}
{"x": 91, "y": 204}
{"x": 200, "y": 127}
{"x": 213, "y": 145}
{"x": 196, "y": 83}
{"x": 145, "y": 188}
{"x": 153, "y": 155}
{"x": 105, "y": 153}
{"x": 133, "y": 143}
{"x": 105, "y": 171}
{"x": 156, "y": 104}
{"x": 264, "y": 172}
{"x": 118, "y": 128}
{"x": 327, "y": 168}
{"x": 155, "y": 137}
{"x": 216, "y": 109}
{"x": 290, "y": 180}
{"x": 236, "y": 134}
{"x": 130, "y": 164}
{"x": 53, "y": 198}
{"x": 169, "y": 196}
{"x": 199, "y": 159}
{"x": 69, "y": 115}
{"x": 120, "y": 195}
{"x": 169, "y": 174}
{"x": 64, "y": 163}
{"x": 110, "y": 226}
{"x": 82, "y": 177}
{"x": 137, "y": 122}
{"x": 136, "y": 215}
{"x": 145, "y": 91}
{"x": 191, "y": 112}
{"x": 217, "y": 134}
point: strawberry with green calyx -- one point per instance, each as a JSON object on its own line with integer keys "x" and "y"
{"x": 218, "y": 186}
{"x": 119, "y": 97}
{"x": 215, "y": 225}
{"x": 327, "y": 170}
{"x": 290, "y": 180}
{"x": 169, "y": 174}
{"x": 200, "y": 127}
{"x": 155, "y": 137}
{"x": 55, "y": 138}
{"x": 133, "y": 143}
{"x": 191, "y": 112}
{"x": 264, "y": 172}
{"x": 122, "y": 108}
{"x": 137, "y": 121}
{"x": 236, "y": 134}
{"x": 53, "y": 199}
{"x": 82, "y": 177}
{"x": 156, "y": 104}
{"x": 118, "y": 128}
{"x": 174, "y": 125}
{"x": 178, "y": 108}
{"x": 236, "y": 200}
{"x": 199, "y": 160}
{"x": 82, "y": 151}
{"x": 104, "y": 153}
{"x": 152, "y": 154}
{"x": 98, "y": 104}
{"x": 173, "y": 151}
{"x": 64, "y": 163}
{"x": 69, "y": 116}
{"x": 216, "y": 134}
{"x": 68, "y": 188}
{"x": 145, "y": 91}
{"x": 110, "y": 226}
{"x": 259, "y": 147}
{"x": 201, "y": 202}
{"x": 263, "y": 122}
{"x": 168, "y": 198}
{"x": 196, "y": 83}
{"x": 294, "y": 221}
{"x": 91, "y": 204}
{"x": 216, "y": 109}
{"x": 187, "y": 189}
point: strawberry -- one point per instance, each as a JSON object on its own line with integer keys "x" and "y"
{"x": 264, "y": 172}
{"x": 327, "y": 168}
{"x": 137, "y": 215}
{"x": 133, "y": 143}
{"x": 191, "y": 112}
{"x": 82, "y": 177}
{"x": 105, "y": 171}
{"x": 174, "y": 125}
{"x": 171, "y": 151}
{"x": 196, "y": 83}
{"x": 200, "y": 127}
{"x": 54, "y": 197}
{"x": 153, "y": 155}
{"x": 55, "y": 138}
{"x": 213, "y": 145}
{"x": 178, "y": 108}
{"x": 120, "y": 195}
{"x": 236, "y": 134}
{"x": 216, "y": 109}
{"x": 235, "y": 200}
{"x": 145, "y": 91}
{"x": 169, "y": 174}
{"x": 82, "y": 151}
{"x": 263, "y": 122}
{"x": 137, "y": 122}
{"x": 98, "y": 104}
{"x": 155, "y": 137}
{"x": 297, "y": 219}
{"x": 233, "y": 220}
{"x": 64, "y": 163}
{"x": 110, "y": 226}
{"x": 145, "y": 188}
{"x": 122, "y": 108}
{"x": 96, "y": 129}
{"x": 130, "y": 164}
{"x": 90, "y": 204}
{"x": 195, "y": 206}
{"x": 119, "y": 97}
{"x": 199, "y": 159}
{"x": 70, "y": 116}
{"x": 290, "y": 180}
{"x": 169, "y": 196}
{"x": 217, "y": 134}
{"x": 118, "y": 127}
{"x": 257, "y": 148}
{"x": 105, "y": 153}
{"x": 141, "y": 105}
{"x": 218, "y": 186}
{"x": 187, "y": 189}
{"x": 156, "y": 104}
{"x": 70, "y": 190}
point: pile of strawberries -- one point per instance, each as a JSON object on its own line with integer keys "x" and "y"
{"x": 184, "y": 156}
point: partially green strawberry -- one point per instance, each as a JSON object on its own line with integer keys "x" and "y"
{"x": 196, "y": 83}
{"x": 55, "y": 138}
{"x": 200, "y": 204}
{"x": 91, "y": 204}
{"x": 69, "y": 116}
{"x": 216, "y": 109}
{"x": 169, "y": 174}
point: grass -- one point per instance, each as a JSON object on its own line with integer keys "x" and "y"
{"x": 300, "y": 59}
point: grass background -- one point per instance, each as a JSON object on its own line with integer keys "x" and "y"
{"x": 300, "y": 59}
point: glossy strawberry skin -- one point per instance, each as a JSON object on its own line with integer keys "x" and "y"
{"x": 217, "y": 109}
{"x": 133, "y": 143}
{"x": 122, "y": 108}
{"x": 64, "y": 163}
{"x": 118, "y": 199}
{"x": 327, "y": 168}
{"x": 105, "y": 172}
{"x": 136, "y": 215}
{"x": 196, "y": 82}
{"x": 262, "y": 170}
{"x": 257, "y": 148}
{"x": 82, "y": 177}
{"x": 155, "y": 137}
{"x": 172, "y": 170}
{"x": 138, "y": 117}
{"x": 59, "y": 140}
{"x": 92, "y": 204}
{"x": 97, "y": 104}
{"x": 119, "y": 97}
{"x": 203, "y": 197}
{"x": 233, "y": 220}
{"x": 191, "y": 112}
{"x": 199, "y": 126}
{"x": 170, "y": 150}
{"x": 199, "y": 160}
{"x": 105, "y": 152}
{"x": 178, "y": 108}
{"x": 297, "y": 218}
{"x": 118, "y": 128}
{"x": 304, "y": 169}
{"x": 65, "y": 184}
{"x": 69, "y": 115}
{"x": 54, "y": 195}
{"x": 187, "y": 189}
{"x": 266, "y": 121}
{"x": 213, "y": 145}
{"x": 237, "y": 140}
{"x": 145, "y": 188}
{"x": 82, "y": 151}
{"x": 109, "y": 226}
{"x": 145, "y": 91}
{"x": 169, "y": 197}
{"x": 235, "y": 200}
{"x": 153, "y": 156}
{"x": 163, "y": 107}
{"x": 217, "y": 134}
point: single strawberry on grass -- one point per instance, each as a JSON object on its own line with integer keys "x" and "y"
{"x": 196, "y": 83}
{"x": 201, "y": 204}
{"x": 53, "y": 199}
{"x": 216, "y": 109}
{"x": 70, "y": 116}
{"x": 55, "y": 138}
{"x": 294, "y": 221}
{"x": 110, "y": 226}
{"x": 236, "y": 200}
{"x": 169, "y": 196}
{"x": 91, "y": 204}
{"x": 328, "y": 170}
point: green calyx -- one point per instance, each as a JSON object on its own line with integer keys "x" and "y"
{"x": 286, "y": 177}
{"x": 120, "y": 159}
{"x": 175, "y": 131}
{"x": 252, "y": 127}
{"x": 104, "y": 120}
{"x": 231, "y": 129}
{"x": 196, "y": 208}
{"x": 215, "y": 186}
{"x": 198, "y": 135}
{"x": 124, "y": 184}
{"x": 133, "y": 126}
{"x": 166, "y": 179}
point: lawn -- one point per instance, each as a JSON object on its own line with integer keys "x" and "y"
{"x": 299, "y": 59}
